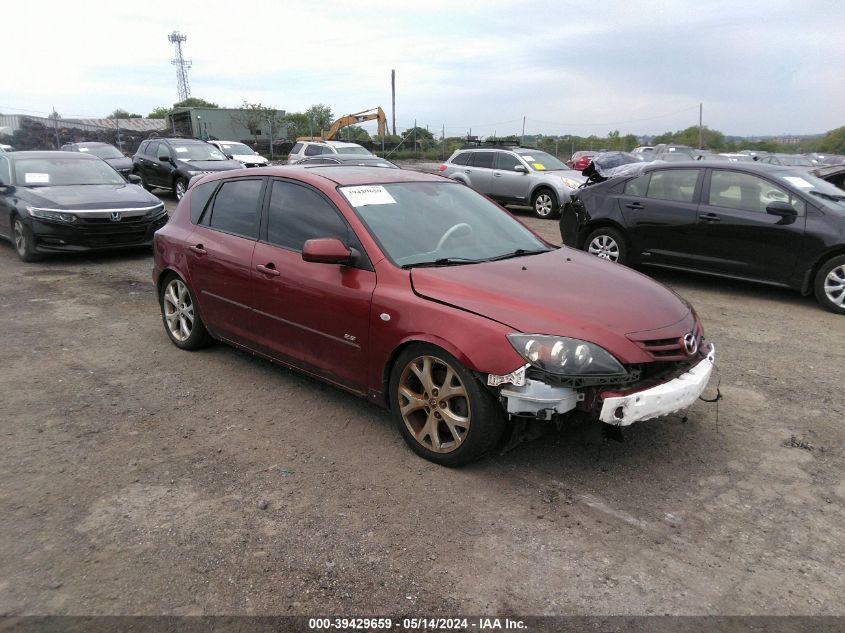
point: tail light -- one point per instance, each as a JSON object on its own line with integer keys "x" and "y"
{"x": 289, "y": 157}
{"x": 442, "y": 168}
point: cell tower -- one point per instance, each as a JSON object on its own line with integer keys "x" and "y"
{"x": 182, "y": 65}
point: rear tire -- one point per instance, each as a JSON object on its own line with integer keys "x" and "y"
{"x": 607, "y": 243}
{"x": 829, "y": 285}
{"x": 545, "y": 204}
{"x": 443, "y": 412}
{"x": 24, "y": 241}
{"x": 180, "y": 315}
{"x": 180, "y": 186}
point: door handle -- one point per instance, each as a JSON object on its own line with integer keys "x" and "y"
{"x": 634, "y": 205}
{"x": 269, "y": 269}
{"x": 709, "y": 217}
{"x": 198, "y": 249}
{"x": 497, "y": 175}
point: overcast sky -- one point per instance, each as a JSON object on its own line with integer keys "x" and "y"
{"x": 585, "y": 67}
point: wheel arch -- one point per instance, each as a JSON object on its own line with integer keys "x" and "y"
{"x": 599, "y": 224}
{"x": 420, "y": 339}
{"x": 813, "y": 270}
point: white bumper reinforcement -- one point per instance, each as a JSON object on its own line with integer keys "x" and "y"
{"x": 675, "y": 395}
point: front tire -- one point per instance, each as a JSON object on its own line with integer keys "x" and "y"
{"x": 24, "y": 241}
{"x": 607, "y": 243}
{"x": 179, "y": 313}
{"x": 443, "y": 412}
{"x": 829, "y": 285}
{"x": 180, "y": 186}
{"x": 545, "y": 204}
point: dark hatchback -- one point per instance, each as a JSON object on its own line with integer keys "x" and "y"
{"x": 68, "y": 201}
{"x": 777, "y": 225}
{"x": 109, "y": 153}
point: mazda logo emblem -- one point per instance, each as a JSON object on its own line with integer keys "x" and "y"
{"x": 115, "y": 216}
{"x": 690, "y": 344}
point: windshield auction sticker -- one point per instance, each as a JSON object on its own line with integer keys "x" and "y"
{"x": 36, "y": 179}
{"x": 364, "y": 195}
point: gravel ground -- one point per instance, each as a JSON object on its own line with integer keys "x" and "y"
{"x": 139, "y": 479}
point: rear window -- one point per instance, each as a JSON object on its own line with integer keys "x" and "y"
{"x": 235, "y": 208}
{"x": 200, "y": 195}
{"x": 461, "y": 159}
{"x": 675, "y": 185}
{"x": 482, "y": 159}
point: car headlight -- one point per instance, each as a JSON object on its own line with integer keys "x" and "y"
{"x": 194, "y": 173}
{"x": 565, "y": 356}
{"x": 51, "y": 216}
{"x": 569, "y": 182}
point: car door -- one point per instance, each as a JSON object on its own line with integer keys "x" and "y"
{"x": 162, "y": 166}
{"x": 219, "y": 258}
{"x": 146, "y": 154}
{"x": 312, "y": 315}
{"x": 738, "y": 236}
{"x": 509, "y": 185}
{"x": 660, "y": 209}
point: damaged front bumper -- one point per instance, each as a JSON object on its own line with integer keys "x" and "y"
{"x": 624, "y": 408}
{"x": 525, "y": 396}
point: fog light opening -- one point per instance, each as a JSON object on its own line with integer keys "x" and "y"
{"x": 619, "y": 413}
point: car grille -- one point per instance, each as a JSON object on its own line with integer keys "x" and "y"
{"x": 668, "y": 348}
{"x": 106, "y": 232}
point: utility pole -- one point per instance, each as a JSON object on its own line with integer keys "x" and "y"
{"x": 270, "y": 121}
{"x": 415, "y": 136}
{"x": 55, "y": 116}
{"x": 522, "y": 142}
{"x": 443, "y": 136}
{"x": 393, "y": 98}
{"x": 700, "y": 118}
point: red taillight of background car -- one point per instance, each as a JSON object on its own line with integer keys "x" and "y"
{"x": 582, "y": 163}
{"x": 441, "y": 168}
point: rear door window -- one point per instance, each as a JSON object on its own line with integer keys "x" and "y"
{"x": 637, "y": 186}
{"x": 674, "y": 185}
{"x": 152, "y": 149}
{"x": 200, "y": 195}
{"x": 235, "y": 208}
{"x": 482, "y": 159}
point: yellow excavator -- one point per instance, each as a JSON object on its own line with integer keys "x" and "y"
{"x": 350, "y": 119}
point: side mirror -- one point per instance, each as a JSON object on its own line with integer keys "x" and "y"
{"x": 164, "y": 158}
{"x": 326, "y": 250}
{"x": 134, "y": 179}
{"x": 520, "y": 168}
{"x": 781, "y": 209}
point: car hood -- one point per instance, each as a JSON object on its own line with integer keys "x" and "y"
{"x": 249, "y": 158}
{"x": 86, "y": 197}
{"x": 120, "y": 164}
{"x": 564, "y": 293}
{"x": 207, "y": 165}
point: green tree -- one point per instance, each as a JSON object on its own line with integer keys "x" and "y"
{"x": 123, "y": 114}
{"x": 297, "y": 125}
{"x": 320, "y": 117}
{"x": 421, "y": 132}
{"x": 159, "y": 113}
{"x": 833, "y": 142}
{"x": 254, "y": 117}
{"x": 195, "y": 102}
{"x": 354, "y": 133}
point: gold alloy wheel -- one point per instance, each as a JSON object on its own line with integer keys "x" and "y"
{"x": 178, "y": 310}
{"x": 434, "y": 404}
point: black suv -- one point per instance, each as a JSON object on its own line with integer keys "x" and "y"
{"x": 109, "y": 153}
{"x": 170, "y": 163}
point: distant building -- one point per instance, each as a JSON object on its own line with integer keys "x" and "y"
{"x": 788, "y": 140}
{"x": 228, "y": 124}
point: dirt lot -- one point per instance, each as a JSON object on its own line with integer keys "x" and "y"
{"x": 134, "y": 476}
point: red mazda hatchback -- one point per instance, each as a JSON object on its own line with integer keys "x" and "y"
{"x": 421, "y": 295}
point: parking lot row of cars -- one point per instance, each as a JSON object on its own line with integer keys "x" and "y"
{"x": 420, "y": 294}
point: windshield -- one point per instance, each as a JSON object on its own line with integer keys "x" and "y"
{"x": 236, "y": 149}
{"x": 428, "y": 222}
{"x": 54, "y": 172}
{"x": 197, "y": 151}
{"x": 102, "y": 151}
{"x": 353, "y": 150}
{"x": 821, "y": 191}
{"x": 796, "y": 161}
{"x": 541, "y": 161}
